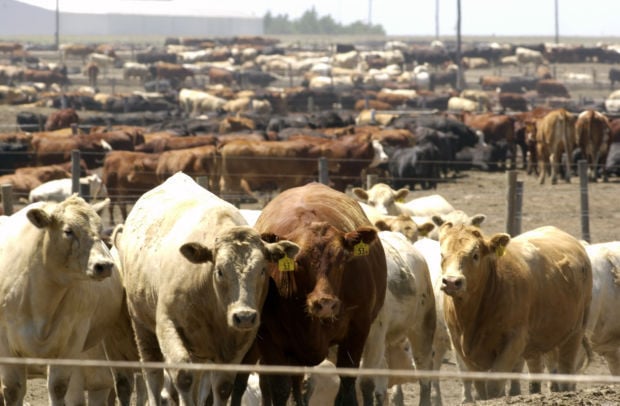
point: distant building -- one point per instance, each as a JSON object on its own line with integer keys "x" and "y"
{"x": 21, "y": 19}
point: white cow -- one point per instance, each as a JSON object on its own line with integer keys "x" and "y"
{"x": 408, "y": 312}
{"x": 60, "y": 289}
{"x": 183, "y": 248}
{"x": 59, "y": 189}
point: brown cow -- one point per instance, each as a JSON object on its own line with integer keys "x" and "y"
{"x": 91, "y": 70}
{"x": 329, "y": 294}
{"x": 592, "y": 132}
{"x": 551, "y": 88}
{"x": 167, "y": 143}
{"x": 253, "y": 165}
{"x": 508, "y": 300}
{"x": 53, "y": 150}
{"x": 525, "y": 135}
{"x": 220, "y": 76}
{"x": 171, "y": 71}
{"x": 513, "y": 101}
{"x": 496, "y": 129}
{"x": 127, "y": 175}
{"x": 49, "y": 77}
{"x": 492, "y": 82}
{"x": 555, "y": 134}
{"x": 63, "y": 118}
{"x": 197, "y": 161}
{"x": 27, "y": 178}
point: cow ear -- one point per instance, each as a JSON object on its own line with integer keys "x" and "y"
{"x": 382, "y": 225}
{"x": 360, "y": 193}
{"x": 116, "y": 233}
{"x": 425, "y": 228}
{"x": 444, "y": 228}
{"x": 39, "y": 218}
{"x": 362, "y": 234}
{"x": 438, "y": 220}
{"x": 401, "y": 194}
{"x": 478, "y": 219}
{"x": 100, "y": 206}
{"x": 196, "y": 253}
{"x": 281, "y": 249}
{"x": 498, "y": 243}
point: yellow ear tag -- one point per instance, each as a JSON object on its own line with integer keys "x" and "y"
{"x": 500, "y": 250}
{"x": 361, "y": 249}
{"x": 400, "y": 200}
{"x": 286, "y": 264}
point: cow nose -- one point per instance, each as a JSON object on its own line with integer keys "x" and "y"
{"x": 245, "y": 319}
{"x": 452, "y": 284}
{"x": 326, "y": 307}
{"x": 103, "y": 269}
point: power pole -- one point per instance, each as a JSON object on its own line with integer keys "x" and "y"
{"x": 437, "y": 19}
{"x": 57, "y": 32}
{"x": 369, "y": 13}
{"x": 557, "y": 24}
{"x": 459, "y": 74}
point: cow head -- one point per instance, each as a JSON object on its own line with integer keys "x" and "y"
{"x": 405, "y": 225}
{"x": 72, "y": 242}
{"x": 320, "y": 265}
{"x": 382, "y": 197}
{"x": 239, "y": 262}
{"x": 467, "y": 258}
{"x": 379, "y": 157}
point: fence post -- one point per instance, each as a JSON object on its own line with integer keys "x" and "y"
{"x": 518, "y": 207}
{"x": 583, "y": 191}
{"x": 323, "y": 171}
{"x": 75, "y": 171}
{"x": 7, "y": 198}
{"x": 310, "y": 104}
{"x": 203, "y": 181}
{"x": 74, "y": 128}
{"x": 511, "y": 177}
{"x": 371, "y": 180}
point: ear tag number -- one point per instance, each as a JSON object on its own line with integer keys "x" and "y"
{"x": 499, "y": 251}
{"x": 286, "y": 264}
{"x": 361, "y": 249}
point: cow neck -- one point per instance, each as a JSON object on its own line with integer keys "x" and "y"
{"x": 481, "y": 298}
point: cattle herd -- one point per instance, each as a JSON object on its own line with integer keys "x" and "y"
{"x": 156, "y": 262}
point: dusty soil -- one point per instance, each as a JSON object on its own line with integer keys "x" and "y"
{"x": 482, "y": 192}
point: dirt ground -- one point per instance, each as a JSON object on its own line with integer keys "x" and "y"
{"x": 482, "y": 192}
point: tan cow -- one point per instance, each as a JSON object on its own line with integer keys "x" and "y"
{"x": 183, "y": 248}
{"x": 60, "y": 289}
{"x": 593, "y": 136}
{"x": 507, "y": 300}
{"x": 555, "y": 134}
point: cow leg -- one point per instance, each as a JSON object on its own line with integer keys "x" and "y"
{"x": 222, "y": 385}
{"x": 555, "y": 159}
{"x": 241, "y": 379}
{"x": 99, "y": 397}
{"x": 422, "y": 347}
{"x": 279, "y": 389}
{"x": 468, "y": 396}
{"x": 297, "y": 384}
{"x": 567, "y": 358}
{"x": 58, "y": 380}
{"x": 149, "y": 350}
{"x": 349, "y": 355}
{"x": 506, "y": 361}
{"x": 613, "y": 361}
{"x": 543, "y": 162}
{"x": 535, "y": 366}
{"x": 13, "y": 384}
{"x": 373, "y": 357}
{"x": 515, "y": 386}
{"x": 75, "y": 391}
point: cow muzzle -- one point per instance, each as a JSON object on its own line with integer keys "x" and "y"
{"x": 453, "y": 285}
{"x": 101, "y": 269}
{"x": 325, "y": 307}
{"x": 245, "y": 319}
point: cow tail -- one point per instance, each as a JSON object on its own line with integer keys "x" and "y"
{"x": 587, "y": 346}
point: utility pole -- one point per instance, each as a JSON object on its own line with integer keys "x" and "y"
{"x": 557, "y": 24}
{"x": 57, "y": 32}
{"x": 369, "y": 13}
{"x": 459, "y": 74}
{"x": 437, "y": 19}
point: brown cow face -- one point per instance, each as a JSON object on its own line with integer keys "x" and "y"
{"x": 321, "y": 265}
{"x": 240, "y": 260}
{"x": 466, "y": 258}
{"x": 72, "y": 244}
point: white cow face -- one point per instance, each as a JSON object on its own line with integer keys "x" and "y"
{"x": 72, "y": 244}
{"x": 239, "y": 269}
{"x": 383, "y": 198}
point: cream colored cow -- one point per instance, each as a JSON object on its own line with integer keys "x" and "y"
{"x": 195, "y": 277}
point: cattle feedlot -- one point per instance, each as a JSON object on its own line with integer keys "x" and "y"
{"x": 334, "y": 108}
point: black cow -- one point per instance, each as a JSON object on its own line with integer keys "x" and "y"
{"x": 255, "y": 78}
{"x": 13, "y": 155}
{"x": 414, "y": 165}
{"x": 612, "y": 165}
{"x": 614, "y": 76}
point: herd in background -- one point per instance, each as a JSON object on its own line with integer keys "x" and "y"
{"x": 371, "y": 277}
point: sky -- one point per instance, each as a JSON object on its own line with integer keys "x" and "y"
{"x": 398, "y": 17}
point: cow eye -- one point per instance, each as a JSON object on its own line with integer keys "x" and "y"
{"x": 67, "y": 232}
{"x": 219, "y": 273}
{"x": 475, "y": 256}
